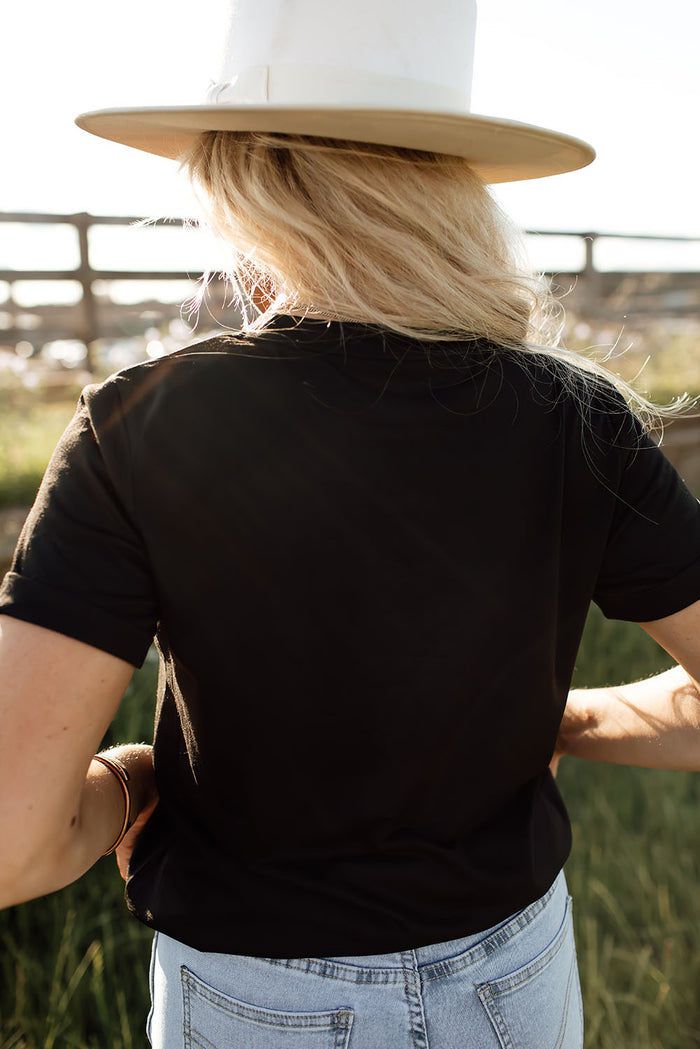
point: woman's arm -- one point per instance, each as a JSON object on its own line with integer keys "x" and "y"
{"x": 653, "y": 723}
{"x": 59, "y": 810}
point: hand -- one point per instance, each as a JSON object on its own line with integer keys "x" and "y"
{"x": 128, "y": 844}
{"x": 578, "y": 723}
{"x": 574, "y": 720}
{"x": 138, "y": 758}
{"x": 556, "y": 758}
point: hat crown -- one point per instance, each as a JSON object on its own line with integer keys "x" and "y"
{"x": 391, "y": 72}
{"x": 374, "y": 52}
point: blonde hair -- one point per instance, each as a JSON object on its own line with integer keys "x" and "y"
{"x": 402, "y": 239}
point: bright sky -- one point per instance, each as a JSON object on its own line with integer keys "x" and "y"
{"x": 620, "y": 74}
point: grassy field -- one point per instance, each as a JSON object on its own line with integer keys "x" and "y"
{"x": 73, "y": 966}
{"x": 29, "y": 430}
{"x": 634, "y": 874}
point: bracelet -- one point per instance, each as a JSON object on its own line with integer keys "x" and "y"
{"x": 121, "y": 772}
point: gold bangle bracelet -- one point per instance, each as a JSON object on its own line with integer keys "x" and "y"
{"x": 119, "y": 769}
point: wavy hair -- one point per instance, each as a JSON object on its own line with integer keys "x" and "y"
{"x": 400, "y": 239}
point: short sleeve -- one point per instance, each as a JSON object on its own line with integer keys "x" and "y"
{"x": 651, "y": 566}
{"x": 80, "y": 567}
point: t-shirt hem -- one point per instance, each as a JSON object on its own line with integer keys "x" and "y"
{"x": 658, "y": 602}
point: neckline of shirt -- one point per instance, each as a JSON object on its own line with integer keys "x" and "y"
{"x": 374, "y": 341}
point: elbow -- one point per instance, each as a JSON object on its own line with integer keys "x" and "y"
{"x": 30, "y": 870}
{"x": 15, "y": 881}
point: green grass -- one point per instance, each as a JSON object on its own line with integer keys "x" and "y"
{"x": 634, "y": 877}
{"x": 29, "y": 431}
{"x": 634, "y": 874}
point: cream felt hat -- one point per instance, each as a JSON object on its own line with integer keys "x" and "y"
{"x": 393, "y": 72}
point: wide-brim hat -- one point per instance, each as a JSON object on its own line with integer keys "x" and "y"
{"x": 389, "y": 72}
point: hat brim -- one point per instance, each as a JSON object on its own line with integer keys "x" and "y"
{"x": 498, "y": 150}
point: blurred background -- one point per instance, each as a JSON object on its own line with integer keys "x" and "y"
{"x": 85, "y": 290}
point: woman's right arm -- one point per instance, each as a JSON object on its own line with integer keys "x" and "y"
{"x": 59, "y": 809}
{"x": 653, "y": 723}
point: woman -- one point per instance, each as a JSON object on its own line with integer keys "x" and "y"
{"x": 365, "y": 532}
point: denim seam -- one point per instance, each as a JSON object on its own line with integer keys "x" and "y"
{"x": 151, "y": 987}
{"x": 331, "y": 970}
{"x": 343, "y": 1028}
{"x": 481, "y": 951}
{"x": 337, "y": 971}
{"x": 565, "y": 1024}
{"x": 186, "y": 1020}
{"x": 579, "y": 999}
{"x": 414, "y": 1000}
{"x": 490, "y": 1003}
{"x": 328, "y": 1020}
{"x": 531, "y": 971}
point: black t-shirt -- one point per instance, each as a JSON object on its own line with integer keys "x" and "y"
{"x": 367, "y": 562}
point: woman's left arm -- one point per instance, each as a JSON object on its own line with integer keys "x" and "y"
{"x": 59, "y": 809}
{"x": 653, "y": 723}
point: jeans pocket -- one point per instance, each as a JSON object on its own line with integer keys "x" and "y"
{"x": 538, "y": 1006}
{"x": 213, "y": 1020}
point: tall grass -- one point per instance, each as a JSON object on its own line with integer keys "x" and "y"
{"x": 634, "y": 874}
{"x": 29, "y": 430}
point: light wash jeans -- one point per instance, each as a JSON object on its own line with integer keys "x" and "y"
{"x": 511, "y": 987}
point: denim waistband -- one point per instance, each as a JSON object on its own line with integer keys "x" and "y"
{"x": 433, "y": 961}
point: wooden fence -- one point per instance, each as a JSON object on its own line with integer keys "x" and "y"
{"x": 591, "y": 293}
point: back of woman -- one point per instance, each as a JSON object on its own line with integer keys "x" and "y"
{"x": 365, "y": 532}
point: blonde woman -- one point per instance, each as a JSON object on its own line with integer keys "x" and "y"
{"x": 365, "y": 532}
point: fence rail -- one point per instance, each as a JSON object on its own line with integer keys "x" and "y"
{"x": 88, "y": 318}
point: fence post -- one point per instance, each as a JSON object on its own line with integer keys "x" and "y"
{"x": 89, "y": 327}
{"x": 591, "y": 278}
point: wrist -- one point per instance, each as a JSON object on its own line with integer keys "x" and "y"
{"x": 137, "y": 759}
{"x": 578, "y": 722}
{"x": 121, "y": 775}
